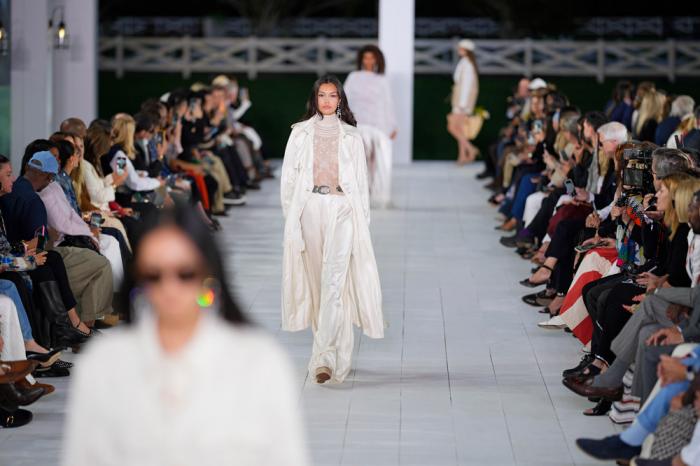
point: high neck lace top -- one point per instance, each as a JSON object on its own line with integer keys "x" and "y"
{"x": 326, "y": 138}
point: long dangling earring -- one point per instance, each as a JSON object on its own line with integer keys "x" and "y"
{"x": 338, "y": 112}
{"x": 207, "y": 296}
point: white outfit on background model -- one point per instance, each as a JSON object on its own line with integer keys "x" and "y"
{"x": 329, "y": 272}
{"x": 227, "y": 397}
{"x": 465, "y": 89}
{"x": 369, "y": 97}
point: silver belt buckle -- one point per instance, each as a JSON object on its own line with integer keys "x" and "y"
{"x": 322, "y": 189}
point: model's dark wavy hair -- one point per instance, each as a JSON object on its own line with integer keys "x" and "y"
{"x": 378, "y": 56}
{"x": 312, "y": 104}
{"x": 185, "y": 219}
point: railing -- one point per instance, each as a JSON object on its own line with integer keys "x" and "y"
{"x": 632, "y": 27}
{"x": 253, "y": 55}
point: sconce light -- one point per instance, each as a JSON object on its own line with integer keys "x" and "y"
{"x": 59, "y": 35}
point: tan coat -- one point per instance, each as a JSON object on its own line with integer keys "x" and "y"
{"x": 362, "y": 293}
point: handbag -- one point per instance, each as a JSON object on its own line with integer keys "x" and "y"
{"x": 83, "y": 242}
{"x": 472, "y": 126}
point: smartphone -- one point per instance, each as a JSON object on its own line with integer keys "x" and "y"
{"x": 96, "y": 220}
{"x": 569, "y": 185}
{"x": 243, "y": 93}
{"x": 40, "y": 235}
{"x": 192, "y": 104}
{"x": 121, "y": 164}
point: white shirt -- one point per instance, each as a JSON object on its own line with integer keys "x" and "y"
{"x": 369, "y": 97}
{"x": 464, "y": 77}
{"x": 99, "y": 189}
{"x": 136, "y": 181}
{"x": 690, "y": 454}
{"x": 692, "y": 261}
{"x": 227, "y": 398}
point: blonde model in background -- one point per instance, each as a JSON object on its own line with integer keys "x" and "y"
{"x": 464, "y": 94}
{"x": 191, "y": 381}
{"x": 369, "y": 97}
{"x": 329, "y": 273}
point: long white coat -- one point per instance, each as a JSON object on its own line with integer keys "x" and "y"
{"x": 362, "y": 293}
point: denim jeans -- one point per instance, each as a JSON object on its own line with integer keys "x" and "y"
{"x": 8, "y": 289}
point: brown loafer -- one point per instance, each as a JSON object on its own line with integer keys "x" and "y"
{"x": 323, "y": 375}
{"x": 11, "y": 371}
{"x": 583, "y": 387}
{"x": 24, "y": 384}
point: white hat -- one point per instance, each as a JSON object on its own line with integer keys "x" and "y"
{"x": 466, "y": 44}
{"x": 536, "y": 84}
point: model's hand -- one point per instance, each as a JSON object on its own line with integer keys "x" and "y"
{"x": 393, "y": 135}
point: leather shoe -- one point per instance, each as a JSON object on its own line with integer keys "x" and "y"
{"x": 609, "y": 448}
{"x": 21, "y": 396}
{"x": 24, "y": 383}
{"x": 15, "y": 370}
{"x": 583, "y": 386}
{"x": 16, "y": 418}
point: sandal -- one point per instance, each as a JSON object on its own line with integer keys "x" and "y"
{"x": 601, "y": 409}
{"x": 542, "y": 298}
{"x": 530, "y": 284}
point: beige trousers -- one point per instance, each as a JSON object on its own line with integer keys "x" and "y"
{"x": 217, "y": 169}
{"x": 90, "y": 278}
{"x": 327, "y": 229}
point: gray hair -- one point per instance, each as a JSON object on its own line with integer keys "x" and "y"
{"x": 682, "y": 105}
{"x": 614, "y": 131}
{"x": 667, "y": 162}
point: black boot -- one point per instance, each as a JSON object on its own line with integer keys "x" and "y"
{"x": 21, "y": 396}
{"x": 63, "y": 332}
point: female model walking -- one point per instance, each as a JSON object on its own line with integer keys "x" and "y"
{"x": 330, "y": 278}
{"x": 464, "y": 94}
{"x": 369, "y": 96}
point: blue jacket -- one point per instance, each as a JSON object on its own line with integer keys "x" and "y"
{"x": 23, "y": 211}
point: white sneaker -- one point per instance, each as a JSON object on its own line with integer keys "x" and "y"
{"x": 555, "y": 323}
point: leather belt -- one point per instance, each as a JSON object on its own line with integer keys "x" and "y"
{"x": 325, "y": 189}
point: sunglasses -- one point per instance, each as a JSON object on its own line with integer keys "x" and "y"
{"x": 183, "y": 275}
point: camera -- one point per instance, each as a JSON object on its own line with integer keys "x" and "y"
{"x": 636, "y": 174}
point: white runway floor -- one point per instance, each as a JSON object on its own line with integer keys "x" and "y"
{"x": 464, "y": 375}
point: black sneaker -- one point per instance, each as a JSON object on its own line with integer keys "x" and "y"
{"x": 585, "y": 361}
{"x": 609, "y": 448}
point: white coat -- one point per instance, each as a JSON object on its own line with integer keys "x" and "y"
{"x": 362, "y": 293}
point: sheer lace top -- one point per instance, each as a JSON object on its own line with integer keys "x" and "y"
{"x": 326, "y": 138}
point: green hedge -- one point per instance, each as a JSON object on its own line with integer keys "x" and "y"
{"x": 278, "y": 101}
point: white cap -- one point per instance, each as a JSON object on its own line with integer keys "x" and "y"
{"x": 221, "y": 80}
{"x": 466, "y": 44}
{"x": 536, "y": 84}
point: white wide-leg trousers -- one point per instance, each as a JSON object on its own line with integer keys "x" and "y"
{"x": 379, "y": 163}
{"x": 327, "y": 229}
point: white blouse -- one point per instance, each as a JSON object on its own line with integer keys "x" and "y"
{"x": 136, "y": 181}
{"x": 99, "y": 189}
{"x": 227, "y": 398}
{"x": 369, "y": 97}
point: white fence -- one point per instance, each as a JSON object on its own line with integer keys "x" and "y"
{"x": 527, "y": 57}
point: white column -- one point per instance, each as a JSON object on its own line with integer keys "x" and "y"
{"x": 75, "y": 69}
{"x": 29, "y": 75}
{"x": 396, "y": 37}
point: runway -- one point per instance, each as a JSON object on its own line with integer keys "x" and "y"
{"x": 464, "y": 375}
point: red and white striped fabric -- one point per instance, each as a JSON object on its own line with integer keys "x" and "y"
{"x": 597, "y": 263}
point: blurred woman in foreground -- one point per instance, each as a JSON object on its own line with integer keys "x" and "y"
{"x": 190, "y": 381}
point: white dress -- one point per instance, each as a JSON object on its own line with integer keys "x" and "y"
{"x": 466, "y": 87}
{"x": 369, "y": 97}
{"x": 227, "y": 398}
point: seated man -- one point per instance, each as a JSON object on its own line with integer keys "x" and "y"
{"x": 89, "y": 274}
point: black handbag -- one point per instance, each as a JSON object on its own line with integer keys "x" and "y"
{"x": 83, "y": 242}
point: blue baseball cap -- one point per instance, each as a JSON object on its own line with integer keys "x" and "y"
{"x": 44, "y": 161}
